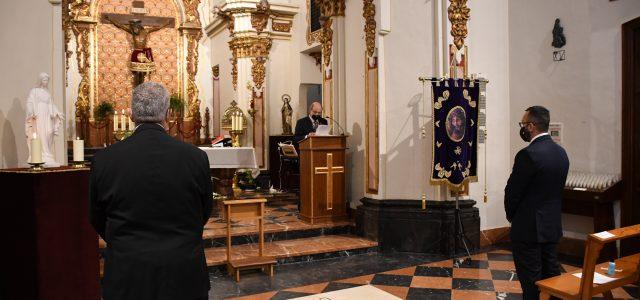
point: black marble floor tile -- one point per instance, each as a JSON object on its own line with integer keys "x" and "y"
{"x": 335, "y": 286}
{"x": 499, "y": 256}
{"x": 508, "y": 296}
{"x": 283, "y": 295}
{"x": 473, "y": 264}
{"x": 393, "y": 280}
{"x": 503, "y": 275}
{"x": 431, "y": 294}
{"x": 472, "y": 284}
{"x": 433, "y": 271}
{"x": 299, "y": 274}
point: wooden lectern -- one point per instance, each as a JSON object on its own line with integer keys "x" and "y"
{"x": 322, "y": 179}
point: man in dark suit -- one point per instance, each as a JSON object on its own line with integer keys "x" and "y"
{"x": 533, "y": 199}
{"x": 308, "y": 125}
{"x": 150, "y": 198}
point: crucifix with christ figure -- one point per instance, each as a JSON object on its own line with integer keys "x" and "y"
{"x": 140, "y": 28}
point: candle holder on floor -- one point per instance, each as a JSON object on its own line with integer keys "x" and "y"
{"x": 78, "y": 164}
{"x": 36, "y": 167}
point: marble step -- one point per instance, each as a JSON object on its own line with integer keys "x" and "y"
{"x": 215, "y": 234}
{"x": 281, "y": 223}
{"x": 248, "y": 233}
{"x": 292, "y": 251}
{"x": 296, "y": 250}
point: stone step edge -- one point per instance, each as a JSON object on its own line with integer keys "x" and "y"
{"x": 310, "y": 255}
{"x": 209, "y": 242}
{"x": 279, "y": 235}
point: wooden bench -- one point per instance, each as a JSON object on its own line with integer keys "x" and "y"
{"x": 249, "y": 209}
{"x": 568, "y": 286}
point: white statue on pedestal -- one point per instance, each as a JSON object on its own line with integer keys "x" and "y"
{"x": 43, "y": 119}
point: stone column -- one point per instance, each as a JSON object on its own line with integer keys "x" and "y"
{"x": 333, "y": 60}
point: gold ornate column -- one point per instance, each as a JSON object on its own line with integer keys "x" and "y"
{"x": 333, "y": 55}
{"x": 458, "y": 14}
{"x": 372, "y": 144}
{"x": 191, "y": 33}
{"x": 83, "y": 25}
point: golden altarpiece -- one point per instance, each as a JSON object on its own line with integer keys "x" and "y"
{"x": 103, "y": 52}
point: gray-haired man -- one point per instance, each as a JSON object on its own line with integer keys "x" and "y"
{"x": 150, "y": 197}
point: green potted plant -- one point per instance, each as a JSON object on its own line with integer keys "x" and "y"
{"x": 176, "y": 104}
{"x": 103, "y": 111}
{"x": 246, "y": 180}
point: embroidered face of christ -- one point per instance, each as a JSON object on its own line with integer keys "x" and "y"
{"x": 456, "y": 120}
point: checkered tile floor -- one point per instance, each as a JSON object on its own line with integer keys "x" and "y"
{"x": 488, "y": 275}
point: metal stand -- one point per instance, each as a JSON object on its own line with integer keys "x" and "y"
{"x": 460, "y": 235}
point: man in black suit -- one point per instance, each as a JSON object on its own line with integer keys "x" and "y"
{"x": 533, "y": 199}
{"x": 308, "y": 125}
{"x": 150, "y": 198}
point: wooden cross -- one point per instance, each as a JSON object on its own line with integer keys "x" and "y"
{"x": 138, "y": 11}
{"x": 329, "y": 170}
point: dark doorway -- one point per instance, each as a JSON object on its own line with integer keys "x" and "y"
{"x": 630, "y": 204}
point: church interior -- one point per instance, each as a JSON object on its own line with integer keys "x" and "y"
{"x": 403, "y": 196}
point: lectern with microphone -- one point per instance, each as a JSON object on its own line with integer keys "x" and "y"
{"x": 322, "y": 178}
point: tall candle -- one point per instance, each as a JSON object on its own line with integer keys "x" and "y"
{"x": 78, "y": 150}
{"x": 36, "y": 149}
{"x": 131, "y": 125}
{"x": 123, "y": 121}
{"x": 115, "y": 121}
{"x": 233, "y": 122}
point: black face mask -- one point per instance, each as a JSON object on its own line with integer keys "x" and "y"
{"x": 315, "y": 117}
{"x": 525, "y": 135}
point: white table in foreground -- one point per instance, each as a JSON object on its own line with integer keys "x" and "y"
{"x": 231, "y": 157}
{"x": 364, "y": 292}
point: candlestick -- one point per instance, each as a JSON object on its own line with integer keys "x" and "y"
{"x": 123, "y": 122}
{"x": 78, "y": 150}
{"x": 131, "y": 125}
{"x": 36, "y": 150}
{"x": 115, "y": 121}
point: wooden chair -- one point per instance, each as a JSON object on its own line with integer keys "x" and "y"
{"x": 248, "y": 209}
{"x": 568, "y": 286}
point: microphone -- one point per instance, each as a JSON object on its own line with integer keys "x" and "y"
{"x": 336, "y": 122}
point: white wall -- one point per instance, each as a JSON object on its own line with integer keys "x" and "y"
{"x": 488, "y": 43}
{"x": 27, "y": 30}
{"x": 583, "y": 92}
{"x": 408, "y": 50}
{"x": 204, "y": 80}
{"x": 221, "y": 55}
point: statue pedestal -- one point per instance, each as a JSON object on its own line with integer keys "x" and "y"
{"x": 403, "y": 226}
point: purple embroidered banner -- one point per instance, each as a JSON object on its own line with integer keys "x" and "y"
{"x": 455, "y": 131}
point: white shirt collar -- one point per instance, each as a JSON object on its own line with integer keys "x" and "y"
{"x": 539, "y": 135}
{"x": 159, "y": 124}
